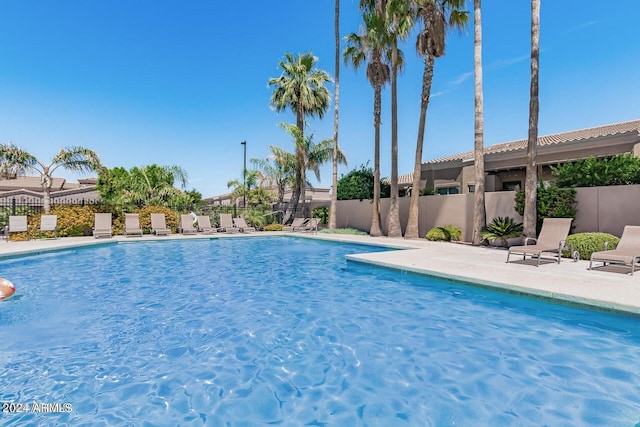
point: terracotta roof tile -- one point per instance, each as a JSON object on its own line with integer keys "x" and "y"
{"x": 558, "y": 138}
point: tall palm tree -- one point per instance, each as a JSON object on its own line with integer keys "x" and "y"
{"x": 479, "y": 210}
{"x": 399, "y": 22}
{"x": 334, "y": 178}
{"x": 431, "y": 45}
{"x": 313, "y": 155}
{"x": 15, "y": 160}
{"x": 277, "y": 171}
{"x": 300, "y": 88}
{"x": 531, "y": 180}
{"x": 372, "y": 46}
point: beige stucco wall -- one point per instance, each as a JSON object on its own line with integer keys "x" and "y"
{"x": 607, "y": 209}
{"x": 604, "y": 209}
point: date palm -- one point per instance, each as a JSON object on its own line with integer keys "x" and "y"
{"x": 16, "y": 161}
{"x": 399, "y": 20}
{"x": 277, "y": 170}
{"x": 313, "y": 154}
{"x": 301, "y": 89}
{"x": 372, "y": 46}
{"x": 531, "y": 180}
{"x": 437, "y": 16}
{"x": 479, "y": 210}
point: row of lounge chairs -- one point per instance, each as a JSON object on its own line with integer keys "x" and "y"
{"x": 302, "y": 224}
{"x": 18, "y": 224}
{"x": 552, "y": 240}
{"x": 103, "y": 225}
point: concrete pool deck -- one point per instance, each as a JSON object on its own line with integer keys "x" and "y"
{"x": 571, "y": 282}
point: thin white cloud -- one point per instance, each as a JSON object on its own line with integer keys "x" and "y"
{"x": 439, "y": 93}
{"x": 461, "y": 78}
{"x": 582, "y": 26}
{"x": 502, "y": 63}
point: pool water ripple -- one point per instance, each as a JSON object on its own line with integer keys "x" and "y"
{"x": 284, "y": 331}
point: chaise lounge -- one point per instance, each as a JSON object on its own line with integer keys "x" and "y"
{"x": 626, "y": 253}
{"x": 550, "y": 241}
{"x": 186, "y": 224}
{"x": 132, "y": 225}
{"x": 242, "y": 225}
{"x": 226, "y": 224}
{"x": 48, "y": 223}
{"x": 159, "y": 225}
{"x": 204, "y": 225}
{"x": 102, "y": 225}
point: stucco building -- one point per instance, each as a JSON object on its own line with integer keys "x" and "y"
{"x": 505, "y": 163}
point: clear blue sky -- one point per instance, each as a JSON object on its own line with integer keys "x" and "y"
{"x": 184, "y": 82}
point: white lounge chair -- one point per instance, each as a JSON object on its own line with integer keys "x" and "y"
{"x": 311, "y": 226}
{"x": 550, "y": 241}
{"x": 132, "y": 225}
{"x": 242, "y": 225}
{"x": 48, "y": 223}
{"x": 627, "y": 252}
{"x": 159, "y": 225}
{"x": 204, "y": 225}
{"x": 296, "y": 225}
{"x": 102, "y": 225}
{"x": 18, "y": 224}
{"x": 186, "y": 224}
{"x": 226, "y": 224}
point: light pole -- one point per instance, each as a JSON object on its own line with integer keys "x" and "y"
{"x": 244, "y": 176}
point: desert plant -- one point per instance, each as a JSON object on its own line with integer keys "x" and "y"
{"x": 501, "y": 228}
{"x": 445, "y": 233}
{"x": 587, "y": 243}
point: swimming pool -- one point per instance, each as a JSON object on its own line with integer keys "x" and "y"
{"x": 284, "y": 331}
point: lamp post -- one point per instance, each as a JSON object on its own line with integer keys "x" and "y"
{"x": 244, "y": 176}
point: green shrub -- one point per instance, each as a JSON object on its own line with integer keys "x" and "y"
{"x": 622, "y": 169}
{"x": 273, "y": 227}
{"x": 501, "y": 228}
{"x": 455, "y": 233}
{"x": 321, "y": 212}
{"x": 587, "y": 243}
{"x": 446, "y": 233}
{"x": 552, "y": 202}
{"x": 342, "y": 231}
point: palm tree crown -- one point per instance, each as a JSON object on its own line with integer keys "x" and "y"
{"x": 15, "y": 161}
{"x": 301, "y": 87}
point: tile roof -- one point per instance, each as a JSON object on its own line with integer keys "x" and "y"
{"x": 30, "y": 183}
{"x": 547, "y": 140}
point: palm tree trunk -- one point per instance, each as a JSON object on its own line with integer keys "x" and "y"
{"x": 479, "y": 210}
{"x": 393, "y": 224}
{"x": 427, "y": 78}
{"x": 300, "y": 175}
{"x": 334, "y": 180}
{"x": 46, "y": 181}
{"x": 376, "y": 229}
{"x": 531, "y": 184}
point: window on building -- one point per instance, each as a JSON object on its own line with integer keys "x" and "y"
{"x": 472, "y": 188}
{"x": 511, "y": 185}
{"x": 452, "y": 189}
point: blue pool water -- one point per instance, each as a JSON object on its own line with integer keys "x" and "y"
{"x": 283, "y": 331}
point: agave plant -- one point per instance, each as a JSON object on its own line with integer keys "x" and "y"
{"x": 501, "y": 228}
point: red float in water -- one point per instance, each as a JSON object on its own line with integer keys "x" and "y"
{"x": 6, "y": 288}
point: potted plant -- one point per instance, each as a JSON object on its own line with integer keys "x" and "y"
{"x": 503, "y": 231}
